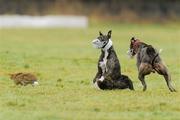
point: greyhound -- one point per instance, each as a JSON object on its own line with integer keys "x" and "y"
{"x": 148, "y": 60}
{"x": 109, "y": 73}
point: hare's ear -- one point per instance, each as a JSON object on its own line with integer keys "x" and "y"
{"x": 109, "y": 34}
{"x": 100, "y": 33}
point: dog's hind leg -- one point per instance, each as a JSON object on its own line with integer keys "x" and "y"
{"x": 105, "y": 84}
{"x": 162, "y": 70}
{"x": 169, "y": 83}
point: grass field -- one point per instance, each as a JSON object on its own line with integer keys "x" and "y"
{"x": 65, "y": 63}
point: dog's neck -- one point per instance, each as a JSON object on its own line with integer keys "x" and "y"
{"x": 105, "y": 52}
{"x": 109, "y": 45}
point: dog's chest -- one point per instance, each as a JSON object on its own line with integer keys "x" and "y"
{"x": 103, "y": 63}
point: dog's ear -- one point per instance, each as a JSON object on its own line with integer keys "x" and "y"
{"x": 100, "y": 33}
{"x": 133, "y": 39}
{"x": 109, "y": 34}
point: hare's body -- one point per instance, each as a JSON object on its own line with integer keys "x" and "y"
{"x": 24, "y": 79}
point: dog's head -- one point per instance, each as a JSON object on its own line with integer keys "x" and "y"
{"x": 133, "y": 48}
{"x": 102, "y": 40}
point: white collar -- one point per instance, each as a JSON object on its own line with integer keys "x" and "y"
{"x": 109, "y": 44}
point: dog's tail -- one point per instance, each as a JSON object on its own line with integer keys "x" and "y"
{"x": 131, "y": 87}
{"x": 130, "y": 83}
{"x": 127, "y": 81}
{"x": 160, "y": 51}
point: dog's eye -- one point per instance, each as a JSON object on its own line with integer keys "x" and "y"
{"x": 100, "y": 38}
{"x": 104, "y": 42}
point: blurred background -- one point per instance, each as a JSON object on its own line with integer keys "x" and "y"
{"x": 133, "y": 11}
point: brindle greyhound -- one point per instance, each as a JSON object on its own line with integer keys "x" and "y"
{"x": 109, "y": 74}
{"x": 148, "y": 60}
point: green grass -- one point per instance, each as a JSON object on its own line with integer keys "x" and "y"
{"x": 65, "y": 63}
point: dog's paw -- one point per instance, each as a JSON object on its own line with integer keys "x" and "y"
{"x": 96, "y": 85}
{"x": 101, "y": 79}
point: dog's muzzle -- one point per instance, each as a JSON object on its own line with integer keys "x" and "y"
{"x": 130, "y": 53}
{"x": 97, "y": 43}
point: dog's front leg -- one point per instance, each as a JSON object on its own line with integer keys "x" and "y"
{"x": 102, "y": 78}
{"x": 143, "y": 70}
{"x": 98, "y": 75}
{"x": 141, "y": 78}
{"x": 108, "y": 75}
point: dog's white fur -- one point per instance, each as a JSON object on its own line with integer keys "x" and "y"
{"x": 96, "y": 85}
{"x": 105, "y": 49}
{"x": 97, "y": 43}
